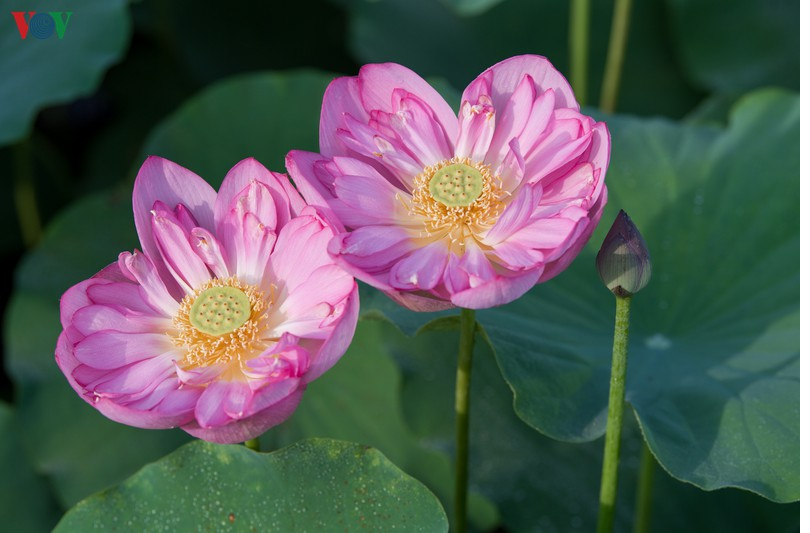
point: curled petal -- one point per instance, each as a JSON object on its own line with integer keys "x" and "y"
{"x": 496, "y": 291}
{"x": 422, "y": 269}
{"x": 477, "y": 129}
{"x": 179, "y": 257}
{"x": 251, "y": 427}
{"x": 378, "y": 82}
{"x": 507, "y": 75}
{"x": 141, "y": 270}
{"x": 162, "y": 180}
{"x": 274, "y": 202}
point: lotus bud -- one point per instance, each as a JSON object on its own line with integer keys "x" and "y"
{"x": 623, "y": 260}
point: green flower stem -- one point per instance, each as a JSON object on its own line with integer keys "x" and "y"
{"x": 615, "y": 57}
{"x": 618, "y": 371}
{"x": 253, "y": 444}
{"x": 25, "y": 199}
{"x": 644, "y": 489}
{"x": 465, "y": 350}
{"x": 578, "y": 41}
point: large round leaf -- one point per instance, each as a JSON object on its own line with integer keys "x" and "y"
{"x": 47, "y": 68}
{"x": 713, "y": 369}
{"x": 256, "y": 115}
{"x": 544, "y": 485}
{"x": 313, "y": 485}
{"x": 737, "y": 45}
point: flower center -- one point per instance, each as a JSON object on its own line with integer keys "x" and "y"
{"x": 221, "y": 322}
{"x": 457, "y": 199}
{"x": 219, "y": 310}
{"x": 456, "y": 185}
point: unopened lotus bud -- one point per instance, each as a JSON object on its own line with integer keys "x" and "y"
{"x": 623, "y": 260}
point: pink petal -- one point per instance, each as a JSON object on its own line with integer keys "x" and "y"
{"x": 237, "y": 401}
{"x": 197, "y": 376}
{"x": 496, "y": 291}
{"x": 379, "y": 81}
{"x": 74, "y": 299}
{"x": 579, "y": 237}
{"x": 284, "y": 360}
{"x": 154, "y": 291}
{"x": 477, "y": 128}
{"x": 138, "y": 417}
{"x": 599, "y": 154}
{"x": 93, "y": 318}
{"x": 368, "y": 200}
{"x": 121, "y": 295}
{"x": 546, "y": 233}
{"x": 388, "y": 154}
{"x": 476, "y": 265}
{"x": 517, "y": 256}
{"x": 480, "y": 86}
{"x": 250, "y": 247}
{"x": 300, "y": 249}
{"x": 336, "y": 344}
{"x": 538, "y": 120}
{"x": 253, "y": 203}
{"x": 182, "y": 261}
{"x": 515, "y": 216}
{"x": 179, "y": 399}
{"x": 508, "y": 74}
{"x": 210, "y": 410}
{"x": 207, "y": 247}
{"x": 271, "y": 394}
{"x": 414, "y": 123}
{"x": 565, "y": 142}
{"x": 273, "y": 204}
{"x": 422, "y": 268}
{"x": 161, "y": 180}
{"x": 341, "y": 98}
{"x": 251, "y": 427}
{"x": 313, "y": 302}
{"x": 419, "y": 303}
{"x": 137, "y": 379}
{"x": 511, "y": 168}
{"x": 570, "y": 188}
{"x": 511, "y": 118}
{"x": 110, "y": 349}
{"x": 369, "y": 252}
{"x": 315, "y": 186}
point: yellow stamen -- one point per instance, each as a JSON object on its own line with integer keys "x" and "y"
{"x": 457, "y": 199}
{"x": 221, "y": 322}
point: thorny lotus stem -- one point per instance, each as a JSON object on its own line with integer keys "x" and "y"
{"x": 644, "y": 488}
{"x": 24, "y": 198}
{"x": 465, "y": 349}
{"x": 253, "y": 444}
{"x": 618, "y": 371}
{"x": 615, "y": 57}
{"x": 578, "y": 26}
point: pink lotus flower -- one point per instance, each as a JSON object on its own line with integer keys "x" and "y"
{"x": 469, "y": 210}
{"x": 219, "y": 324}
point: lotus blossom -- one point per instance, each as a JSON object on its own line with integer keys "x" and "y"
{"x": 467, "y": 210}
{"x": 217, "y": 326}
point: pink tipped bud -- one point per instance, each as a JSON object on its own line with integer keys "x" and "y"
{"x": 623, "y": 260}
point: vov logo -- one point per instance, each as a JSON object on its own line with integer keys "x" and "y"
{"x": 42, "y": 25}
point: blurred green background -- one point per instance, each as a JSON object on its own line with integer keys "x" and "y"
{"x": 705, "y": 160}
